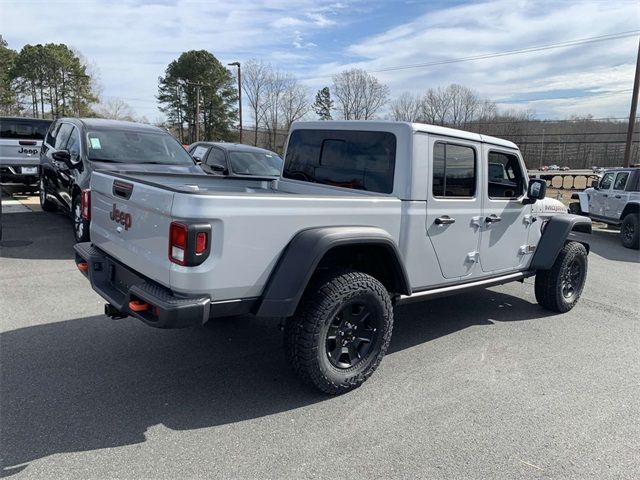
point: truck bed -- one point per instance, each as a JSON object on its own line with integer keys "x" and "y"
{"x": 252, "y": 220}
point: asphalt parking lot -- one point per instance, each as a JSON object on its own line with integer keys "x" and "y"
{"x": 482, "y": 385}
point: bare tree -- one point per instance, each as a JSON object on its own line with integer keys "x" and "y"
{"x": 256, "y": 77}
{"x": 115, "y": 109}
{"x": 295, "y": 102}
{"x": 359, "y": 95}
{"x": 407, "y": 108}
{"x": 436, "y": 105}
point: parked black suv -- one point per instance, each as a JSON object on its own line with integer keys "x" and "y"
{"x": 235, "y": 159}
{"x": 74, "y": 147}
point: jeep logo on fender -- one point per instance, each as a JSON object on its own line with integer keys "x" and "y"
{"x": 121, "y": 217}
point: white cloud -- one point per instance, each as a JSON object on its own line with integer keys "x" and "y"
{"x": 504, "y": 25}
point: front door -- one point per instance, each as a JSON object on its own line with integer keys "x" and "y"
{"x": 453, "y": 205}
{"x": 600, "y": 196}
{"x": 505, "y": 220}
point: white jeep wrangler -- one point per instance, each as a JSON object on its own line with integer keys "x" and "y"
{"x": 614, "y": 200}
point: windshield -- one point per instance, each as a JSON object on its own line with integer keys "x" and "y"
{"x": 255, "y": 163}
{"x": 135, "y": 146}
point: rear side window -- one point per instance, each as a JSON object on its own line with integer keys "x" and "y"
{"x": 361, "y": 160}
{"x": 454, "y": 170}
{"x": 621, "y": 181}
{"x": 23, "y": 128}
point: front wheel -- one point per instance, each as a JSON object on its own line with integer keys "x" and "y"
{"x": 80, "y": 225}
{"x": 46, "y": 204}
{"x": 559, "y": 288}
{"x": 341, "y": 331}
{"x": 629, "y": 232}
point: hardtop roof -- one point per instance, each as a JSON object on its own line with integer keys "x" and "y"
{"x": 393, "y": 125}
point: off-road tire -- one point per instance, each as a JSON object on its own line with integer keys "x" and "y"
{"x": 551, "y": 285}
{"x": 45, "y": 204}
{"x": 630, "y": 232}
{"x": 574, "y": 208}
{"x": 306, "y": 335}
{"x": 80, "y": 234}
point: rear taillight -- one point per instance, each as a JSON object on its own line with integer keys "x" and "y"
{"x": 189, "y": 243}
{"x": 178, "y": 243}
{"x": 86, "y": 204}
{"x": 201, "y": 242}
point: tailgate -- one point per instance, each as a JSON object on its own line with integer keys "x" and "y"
{"x": 130, "y": 221}
{"x": 14, "y": 152}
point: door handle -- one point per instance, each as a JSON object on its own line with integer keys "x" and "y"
{"x": 618, "y": 196}
{"x": 493, "y": 219}
{"x": 605, "y": 195}
{"x": 444, "y": 220}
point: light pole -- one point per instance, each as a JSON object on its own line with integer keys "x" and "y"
{"x": 237, "y": 64}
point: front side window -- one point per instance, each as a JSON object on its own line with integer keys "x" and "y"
{"x": 621, "y": 181}
{"x": 62, "y": 137}
{"x": 73, "y": 145}
{"x": 135, "y": 146}
{"x": 454, "y": 171}
{"x": 606, "y": 181}
{"x": 216, "y": 157}
{"x": 361, "y": 160}
{"x": 505, "y": 176}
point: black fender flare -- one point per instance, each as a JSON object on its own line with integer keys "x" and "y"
{"x": 302, "y": 255}
{"x": 555, "y": 235}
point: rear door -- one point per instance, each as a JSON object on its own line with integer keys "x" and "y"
{"x": 618, "y": 197}
{"x": 131, "y": 221}
{"x": 454, "y": 204}
{"x": 505, "y": 220}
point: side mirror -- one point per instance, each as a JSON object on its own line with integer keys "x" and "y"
{"x": 218, "y": 169}
{"x": 536, "y": 190}
{"x": 62, "y": 156}
{"x": 595, "y": 184}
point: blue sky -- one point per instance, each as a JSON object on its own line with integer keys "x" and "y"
{"x": 130, "y": 42}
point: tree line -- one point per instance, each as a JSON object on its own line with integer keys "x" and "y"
{"x": 198, "y": 96}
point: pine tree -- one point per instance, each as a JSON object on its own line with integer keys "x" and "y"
{"x": 323, "y": 104}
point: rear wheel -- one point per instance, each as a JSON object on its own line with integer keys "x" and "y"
{"x": 80, "y": 225}
{"x": 559, "y": 288}
{"x": 629, "y": 232}
{"x": 340, "y": 332}
{"x": 46, "y": 204}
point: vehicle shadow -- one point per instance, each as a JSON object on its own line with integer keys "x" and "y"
{"x": 36, "y": 235}
{"x": 606, "y": 243}
{"x": 93, "y": 383}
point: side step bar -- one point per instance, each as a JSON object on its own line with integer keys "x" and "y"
{"x": 453, "y": 289}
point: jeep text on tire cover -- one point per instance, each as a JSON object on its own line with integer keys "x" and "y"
{"x": 366, "y": 215}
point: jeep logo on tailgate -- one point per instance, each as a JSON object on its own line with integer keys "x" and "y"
{"x": 121, "y": 217}
{"x": 29, "y": 151}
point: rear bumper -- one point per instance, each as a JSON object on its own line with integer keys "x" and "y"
{"x": 120, "y": 285}
{"x": 13, "y": 174}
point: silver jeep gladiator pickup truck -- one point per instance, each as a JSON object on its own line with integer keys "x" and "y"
{"x": 366, "y": 215}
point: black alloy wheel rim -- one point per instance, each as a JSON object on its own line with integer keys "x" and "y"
{"x": 572, "y": 279}
{"x": 77, "y": 221}
{"x": 628, "y": 231}
{"x": 43, "y": 195}
{"x": 351, "y": 335}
